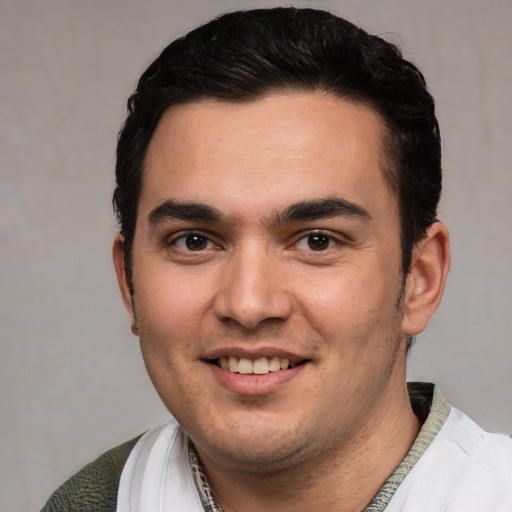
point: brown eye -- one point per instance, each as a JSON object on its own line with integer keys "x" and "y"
{"x": 196, "y": 242}
{"x": 318, "y": 242}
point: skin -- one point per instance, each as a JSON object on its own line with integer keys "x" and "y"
{"x": 240, "y": 276}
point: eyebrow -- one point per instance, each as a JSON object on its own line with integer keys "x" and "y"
{"x": 172, "y": 209}
{"x": 323, "y": 208}
{"x": 320, "y": 209}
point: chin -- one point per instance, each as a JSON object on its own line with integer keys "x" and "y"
{"x": 268, "y": 449}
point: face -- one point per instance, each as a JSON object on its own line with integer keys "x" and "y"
{"x": 266, "y": 276}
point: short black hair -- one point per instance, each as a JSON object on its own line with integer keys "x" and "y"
{"x": 244, "y": 55}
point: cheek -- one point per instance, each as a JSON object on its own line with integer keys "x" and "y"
{"x": 338, "y": 298}
{"x": 171, "y": 304}
{"x": 170, "y": 316}
{"x": 351, "y": 308}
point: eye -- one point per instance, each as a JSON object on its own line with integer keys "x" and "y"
{"x": 316, "y": 241}
{"x": 192, "y": 242}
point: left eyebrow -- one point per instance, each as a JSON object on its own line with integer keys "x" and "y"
{"x": 320, "y": 209}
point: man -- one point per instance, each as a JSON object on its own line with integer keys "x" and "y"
{"x": 278, "y": 178}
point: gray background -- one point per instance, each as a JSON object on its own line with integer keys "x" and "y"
{"x": 72, "y": 383}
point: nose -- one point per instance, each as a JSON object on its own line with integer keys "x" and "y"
{"x": 253, "y": 289}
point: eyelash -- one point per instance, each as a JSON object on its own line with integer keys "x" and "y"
{"x": 206, "y": 238}
{"x": 183, "y": 237}
{"x": 331, "y": 240}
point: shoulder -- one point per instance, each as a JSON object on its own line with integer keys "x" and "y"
{"x": 488, "y": 469}
{"x": 469, "y": 469}
{"x": 95, "y": 486}
{"x": 480, "y": 445}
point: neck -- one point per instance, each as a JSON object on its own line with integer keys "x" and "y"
{"x": 344, "y": 479}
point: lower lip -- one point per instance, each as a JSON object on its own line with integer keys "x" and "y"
{"x": 254, "y": 385}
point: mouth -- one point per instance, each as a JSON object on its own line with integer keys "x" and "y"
{"x": 258, "y": 366}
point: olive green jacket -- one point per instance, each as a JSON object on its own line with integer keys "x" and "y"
{"x": 94, "y": 487}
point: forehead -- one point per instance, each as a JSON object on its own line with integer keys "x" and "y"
{"x": 304, "y": 143}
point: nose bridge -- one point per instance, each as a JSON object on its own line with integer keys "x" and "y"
{"x": 251, "y": 289}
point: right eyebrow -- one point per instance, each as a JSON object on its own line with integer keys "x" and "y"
{"x": 172, "y": 209}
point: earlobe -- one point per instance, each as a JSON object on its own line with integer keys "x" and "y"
{"x": 123, "y": 280}
{"x": 426, "y": 279}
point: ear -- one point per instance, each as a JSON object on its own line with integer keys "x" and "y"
{"x": 426, "y": 279}
{"x": 123, "y": 280}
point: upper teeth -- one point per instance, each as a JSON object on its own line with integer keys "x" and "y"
{"x": 258, "y": 366}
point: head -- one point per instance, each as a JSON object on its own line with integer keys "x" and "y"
{"x": 278, "y": 177}
{"x": 245, "y": 55}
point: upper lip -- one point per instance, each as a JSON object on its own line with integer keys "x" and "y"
{"x": 253, "y": 353}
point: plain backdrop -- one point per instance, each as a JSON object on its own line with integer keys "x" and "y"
{"x": 72, "y": 383}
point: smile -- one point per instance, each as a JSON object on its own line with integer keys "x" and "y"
{"x": 259, "y": 366}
